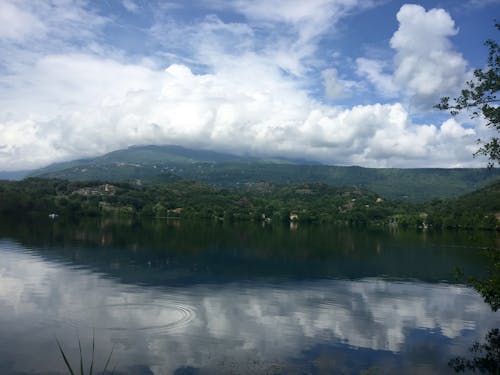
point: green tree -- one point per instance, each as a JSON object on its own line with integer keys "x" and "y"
{"x": 486, "y": 358}
{"x": 479, "y": 96}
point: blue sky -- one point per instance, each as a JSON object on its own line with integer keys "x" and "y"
{"x": 347, "y": 82}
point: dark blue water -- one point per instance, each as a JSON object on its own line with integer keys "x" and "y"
{"x": 180, "y": 298}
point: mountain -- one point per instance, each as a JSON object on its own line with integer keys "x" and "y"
{"x": 14, "y": 175}
{"x": 478, "y": 209}
{"x": 158, "y": 164}
{"x": 485, "y": 200}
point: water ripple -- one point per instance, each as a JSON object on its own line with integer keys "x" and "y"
{"x": 152, "y": 318}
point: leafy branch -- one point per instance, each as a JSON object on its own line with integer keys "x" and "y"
{"x": 480, "y": 97}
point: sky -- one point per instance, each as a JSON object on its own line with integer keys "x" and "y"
{"x": 343, "y": 82}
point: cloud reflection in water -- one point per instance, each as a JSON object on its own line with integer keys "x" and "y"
{"x": 215, "y": 327}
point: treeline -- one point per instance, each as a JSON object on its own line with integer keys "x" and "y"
{"x": 259, "y": 202}
{"x": 167, "y": 164}
{"x": 479, "y": 209}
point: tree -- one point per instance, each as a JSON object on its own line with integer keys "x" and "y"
{"x": 486, "y": 358}
{"x": 480, "y": 97}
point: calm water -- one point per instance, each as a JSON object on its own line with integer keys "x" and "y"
{"x": 186, "y": 298}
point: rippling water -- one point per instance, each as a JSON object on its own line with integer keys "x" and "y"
{"x": 190, "y": 299}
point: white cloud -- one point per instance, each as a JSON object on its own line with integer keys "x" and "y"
{"x": 335, "y": 87}
{"x": 244, "y": 323}
{"x": 205, "y": 43}
{"x": 60, "y": 84}
{"x": 290, "y": 29}
{"x": 130, "y": 5}
{"x": 253, "y": 95}
{"x": 228, "y": 110}
{"x": 426, "y": 67}
{"x": 17, "y": 23}
{"x": 373, "y": 71}
{"x": 308, "y": 18}
{"x": 451, "y": 128}
{"x": 426, "y": 64}
{"x": 30, "y": 30}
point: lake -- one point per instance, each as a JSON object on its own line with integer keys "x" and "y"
{"x": 207, "y": 298}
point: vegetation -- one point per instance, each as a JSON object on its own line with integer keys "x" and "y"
{"x": 489, "y": 287}
{"x": 309, "y": 203}
{"x": 151, "y": 165}
{"x": 486, "y": 358}
{"x": 260, "y": 202}
{"x": 480, "y": 98}
{"x": 91, "y": 366}
{"x": 478, "y": 209}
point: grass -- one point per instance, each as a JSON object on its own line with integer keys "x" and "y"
{"x": 91, "y": 368}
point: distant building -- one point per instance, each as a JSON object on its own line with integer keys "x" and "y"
{"x": 106, "y": 189}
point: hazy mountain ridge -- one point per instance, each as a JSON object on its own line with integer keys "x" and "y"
{"x": 157, "y": 164}
{"x": 14, "y": 175}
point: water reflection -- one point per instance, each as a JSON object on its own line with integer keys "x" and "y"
{"x": 157, "y": 252}
{"x": 219, "y": 327}
{"x": 170, "y": 303}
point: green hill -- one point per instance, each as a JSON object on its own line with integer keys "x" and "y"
{"x": 309, "y": 203}
{"x": 159, "y": 164}
{"x": 485, "y": 199}
{"x": 480, "y": 208}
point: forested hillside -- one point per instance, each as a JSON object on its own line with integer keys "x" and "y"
{"x": 481, "y": 206}
{"x": 160, "y": 164}
{"x": 263, "y": 202}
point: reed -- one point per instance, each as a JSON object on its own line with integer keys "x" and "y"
{"x": 91, "y": 367}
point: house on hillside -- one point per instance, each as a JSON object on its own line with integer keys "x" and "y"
{"x": 106, "y": 189}
{"x": 109, "y": 188}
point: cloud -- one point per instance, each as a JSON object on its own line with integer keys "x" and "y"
{"x": 426, "y": 67}
{"x": 240, "y": 84}
{"x": 451, "y": 128}
{"x": 244, "y": 323}
{"x": 289, "y": 31}
{"x": 130, "y": 5}
{"x": 17, "y": 23}
{"x": 61, "y": 20}
{"x": 227, "y": 110}
{"x": 204, "y": 44}
{"x": 31, "y": 29}
{"x": 308, "y": 18}
{"x": 373, "y": 71}
{"x": 426, "y": 64}
{"x": 335, "y": 87}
